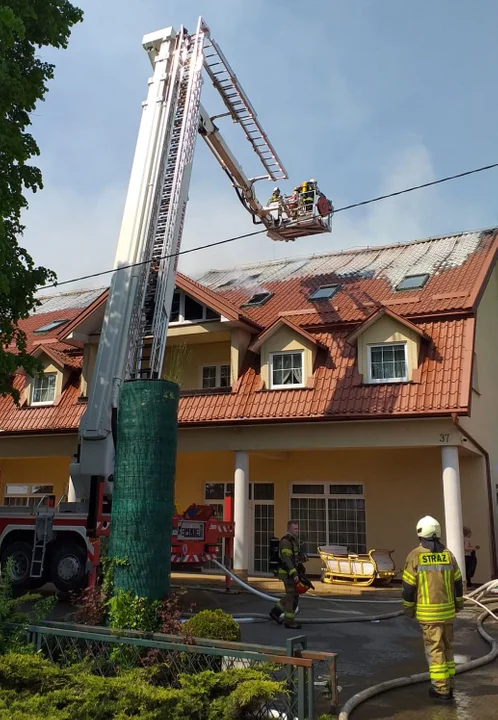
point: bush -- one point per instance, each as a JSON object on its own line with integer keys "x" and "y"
{"x": 33, "y": 688}
{"x": 212, "y": 625}
{"x": 14, "y": 638}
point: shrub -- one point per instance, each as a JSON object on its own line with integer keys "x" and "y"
{"x": 14, "y": 639}
{"x": 33, "y": 688}
{"x": 212, "y": 625}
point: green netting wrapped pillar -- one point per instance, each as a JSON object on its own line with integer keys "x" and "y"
{"x": 143, "y": 495}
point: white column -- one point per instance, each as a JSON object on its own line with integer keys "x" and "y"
{"x": 241, "y": 514}
{"x": 71, "y": 495}
{"x": 453, "y": 505}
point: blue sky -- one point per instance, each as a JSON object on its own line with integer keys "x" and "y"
{"x": 367, "y": 96}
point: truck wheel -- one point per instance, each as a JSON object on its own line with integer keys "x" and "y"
{"x": 20, "y": 552}
{"x": 68, "y": 567}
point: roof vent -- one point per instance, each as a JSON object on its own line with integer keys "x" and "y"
{"x": 50, "y": 326}
{"x": 258, "y": 299}
{"x": 252, "y": 278}
{"x": 324, "y": 292}
{"x": 413, "y": 282}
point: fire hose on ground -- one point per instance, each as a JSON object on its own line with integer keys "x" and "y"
{"x": 477, "y": 597}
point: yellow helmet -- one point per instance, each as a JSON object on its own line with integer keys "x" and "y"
{"x": 428, "y": 528}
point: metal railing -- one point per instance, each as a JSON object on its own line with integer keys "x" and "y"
{"x": 309, "y": 679}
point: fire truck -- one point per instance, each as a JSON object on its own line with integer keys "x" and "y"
{"x": 61, "y": 543}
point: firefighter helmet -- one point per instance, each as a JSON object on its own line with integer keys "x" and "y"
{"x": 428, "y": 528}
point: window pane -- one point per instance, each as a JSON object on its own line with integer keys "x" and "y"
{"x": 346, "y": 489}
{"x": 308, "y": 490}
{"x": 287, "y": 369}
{"x": 44, "y": 388}
{"x": 347, "y": 523}
{"x": 175, "y": 307}
{"x": 214, "y": 491}
{"x": 17, "y": 489}
{"x": 193, "y": 309}
{"x": 264, "y": 491}
{"x": 209, "y": 376}
{"x": 387, "y": 362}
{"x": 310, "y": 513}
{"x": 225, "y": 376}
{"x": 212, "y": 315}
{"x": 42, "y": 489}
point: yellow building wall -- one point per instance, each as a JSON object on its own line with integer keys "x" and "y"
{"x": 388, "y": 330}
{"x": 400, "y": 487}
{"x": 217, "y": 353}
{"x": 285, "y": 340}
{"x": 483, "y": 421}
{"x": 30, "y": 471}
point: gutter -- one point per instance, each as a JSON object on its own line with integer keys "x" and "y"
{"x": 485, "y": 454}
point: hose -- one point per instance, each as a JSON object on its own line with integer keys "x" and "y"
{"x": 307, "y": 621}
{"x": 475, "y": 597}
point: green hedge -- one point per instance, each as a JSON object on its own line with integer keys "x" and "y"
{"x": 33, "y": 688}
{"x": 212, "y": 625}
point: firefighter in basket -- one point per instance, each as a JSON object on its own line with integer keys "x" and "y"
{"x": 292, "y": 573}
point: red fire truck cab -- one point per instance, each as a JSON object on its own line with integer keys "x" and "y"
{"x": 62, "y": 544}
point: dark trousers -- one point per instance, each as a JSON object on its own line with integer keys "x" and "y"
{"x": 470, "y": 566}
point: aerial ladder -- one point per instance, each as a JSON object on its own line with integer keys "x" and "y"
{"x": 61, "y": 543}
{"x": 135, "y": 326}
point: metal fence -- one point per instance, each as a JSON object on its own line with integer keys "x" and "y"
{"x": 309, "y": 678}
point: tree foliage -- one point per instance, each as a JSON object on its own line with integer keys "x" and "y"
{"x": 26, "y": 26}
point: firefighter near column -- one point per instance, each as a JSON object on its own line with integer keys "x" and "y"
{"x": 293, "y": 574}
{"x": 433, "y": 594}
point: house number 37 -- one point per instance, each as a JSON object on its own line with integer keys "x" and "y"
{"x": 444, "y": 438}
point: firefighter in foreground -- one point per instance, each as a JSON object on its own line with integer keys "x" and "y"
{"x": 433, "y": 594}
{"x": 292, "y": 573}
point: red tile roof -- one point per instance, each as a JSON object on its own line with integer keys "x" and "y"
{"x": 444, "y": 310}
{"x": 368, "y": 278}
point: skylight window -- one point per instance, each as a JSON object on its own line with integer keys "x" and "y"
{"x": 258, "y": 299}
{"x": 413, "y": 282}
{"x": 324, "y": 292}
{"x": 50, "y": 326}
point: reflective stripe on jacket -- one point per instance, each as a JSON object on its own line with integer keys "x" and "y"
{"x": 432, "y": 586}
{"x": 288, "y": 553}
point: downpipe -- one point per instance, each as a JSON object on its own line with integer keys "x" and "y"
{"x": 478, "y": 597}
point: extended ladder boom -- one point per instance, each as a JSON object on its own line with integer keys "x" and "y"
{"x": 134, "y": 331}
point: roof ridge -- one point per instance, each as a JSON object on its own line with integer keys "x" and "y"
{"x": 357, "y": 248}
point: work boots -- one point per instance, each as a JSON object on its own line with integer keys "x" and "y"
{"x": 275, "y": 614}
{"x": 292, "y": 625}
{"x": 446, "y": 699}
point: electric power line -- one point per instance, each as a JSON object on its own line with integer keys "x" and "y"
{"x": 260, "y": 232}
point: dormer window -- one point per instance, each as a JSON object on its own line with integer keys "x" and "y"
{"x": 43, "y": 389}
{"x": 413, "y": 282}
{"x": 286, "y": 370}
{"x": 387, "y": 363}
{"x": 324, "y": 292}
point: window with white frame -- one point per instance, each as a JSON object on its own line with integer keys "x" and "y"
{"x": 330, "y": 514}
{"x": 43, "y": 392}
{"x": 27, "y": 495}
{"x": 185, "y": 309}
{"x": 387, "y": 363}
{"x": 286, "y": 369}
{"x": 215, "y": 376}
